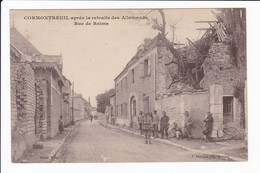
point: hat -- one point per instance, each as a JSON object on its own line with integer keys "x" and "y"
{"x": 209, "y": 113}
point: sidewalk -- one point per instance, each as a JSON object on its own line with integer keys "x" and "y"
{"x": 47, "y": 149}
{"x": 232, "y": 150}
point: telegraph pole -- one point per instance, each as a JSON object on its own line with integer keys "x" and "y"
{"x": 72, "y": 103}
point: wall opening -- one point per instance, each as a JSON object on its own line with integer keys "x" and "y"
{"x": 228, "y": 112}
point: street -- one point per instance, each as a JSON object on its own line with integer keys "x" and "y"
{"x": 91, "y": 142}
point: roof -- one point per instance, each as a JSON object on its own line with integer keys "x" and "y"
{"x": 142, "y": 49}
{"x": 22, "y": 44}
{"x": 48, "y": 65}
{"x": 49, "y": 58}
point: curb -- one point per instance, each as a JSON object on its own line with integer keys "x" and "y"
{"x": 219, "y": 155}
{"x": 52, "y": 155}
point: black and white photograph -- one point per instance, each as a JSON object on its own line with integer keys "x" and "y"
{"x": 128, "y": 85}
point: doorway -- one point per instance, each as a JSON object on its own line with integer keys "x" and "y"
{"x": 228, "y": 112}
{"x": 132, "y": 109}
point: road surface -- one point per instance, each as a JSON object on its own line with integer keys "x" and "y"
{"x": 91, "y": 142}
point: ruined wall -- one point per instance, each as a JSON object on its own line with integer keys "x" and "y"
{"x": 166, "y": 73}
{"x": 219, "y": 70}
{"x": 196, "y": 103}
{"x": 22, "y": 108}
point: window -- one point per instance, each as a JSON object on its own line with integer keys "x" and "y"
{"x": 122, "y": 110}
{"x": 147, "y": 67}
{"x": 121, "y": 84}
{"x": 146, "y": 104}
{"x": 125, "y": 82}
{"x": 117, "y": 112}
{"x": 117, "y": 89}
{"x": 125, "y": 109}
{"x": 133, "y": 76}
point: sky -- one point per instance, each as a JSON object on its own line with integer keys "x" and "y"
{"x": 93, "y": 55}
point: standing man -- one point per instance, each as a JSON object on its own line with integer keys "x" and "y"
{"x": 208, "y": 126}
{"x": 156, "y": 120}
{"x": 187, "y": 124}
{"x": 164, "y": 124}
{"x": 140, "y": 117}
{"x": 61, "y": 124}
{"x": 146, "y": 125}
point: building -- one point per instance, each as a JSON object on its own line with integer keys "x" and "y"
{"x": 150, "y": 81}
{"x": 36, "y": 93}
{"x": 112, "y": 115}
{"x": 66, "y": 94}
{"x": 78, "y": 107}
{"x": 87, "y": 112}
{"x": 40, "y": 94}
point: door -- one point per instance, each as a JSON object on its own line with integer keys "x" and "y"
{"x": 132, "y": 109}
{"x": 227, "y": 110}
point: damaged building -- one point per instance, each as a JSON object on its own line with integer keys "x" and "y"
{"x": 206, "y": 81}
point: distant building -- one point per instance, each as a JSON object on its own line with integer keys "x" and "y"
{"x": 66, "y": 94}
{"x": 112, "y": 115}
{"x": 78, "y": 107}
{"x": 87, "y": 112}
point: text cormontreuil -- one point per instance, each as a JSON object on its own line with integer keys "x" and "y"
{"x": 46, "y": 17}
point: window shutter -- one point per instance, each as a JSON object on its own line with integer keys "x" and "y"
{"x": 149, "y": 67}
{"x": 141, "y": 68}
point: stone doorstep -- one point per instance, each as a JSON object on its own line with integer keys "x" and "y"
{"x": 179, "y": 146}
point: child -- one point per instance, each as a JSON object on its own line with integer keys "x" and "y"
{"x": 177, "y": 132}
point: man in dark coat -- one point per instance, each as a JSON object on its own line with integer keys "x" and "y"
{"x": 164, "y": 124}
{"x": 140, "y": 117}
{"x": 208, "y": 126}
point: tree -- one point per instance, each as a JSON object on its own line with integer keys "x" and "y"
{"x": 103, "y": 100}
{"x": 183, "y": 72}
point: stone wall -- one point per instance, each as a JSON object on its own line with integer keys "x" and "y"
{"x": 22, "y": 108}
{"x": 219, "y": 70}
{"x": 196, "y": 103}
{"x": 56, "y": 108}
{"x": 79, "y": 108}
{"x": 42, "y": 108}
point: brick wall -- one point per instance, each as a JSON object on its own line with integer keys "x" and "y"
{"x": 22, "y": 108}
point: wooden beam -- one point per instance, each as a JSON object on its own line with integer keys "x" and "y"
{"x": 178, "y": 44}
{"x": 205, "y": 29}
{"x": 204, "y": 21}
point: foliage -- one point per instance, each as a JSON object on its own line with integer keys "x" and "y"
{"x": 103, "y": 100}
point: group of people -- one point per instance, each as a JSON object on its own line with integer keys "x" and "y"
{"x": 152, "y": 124}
